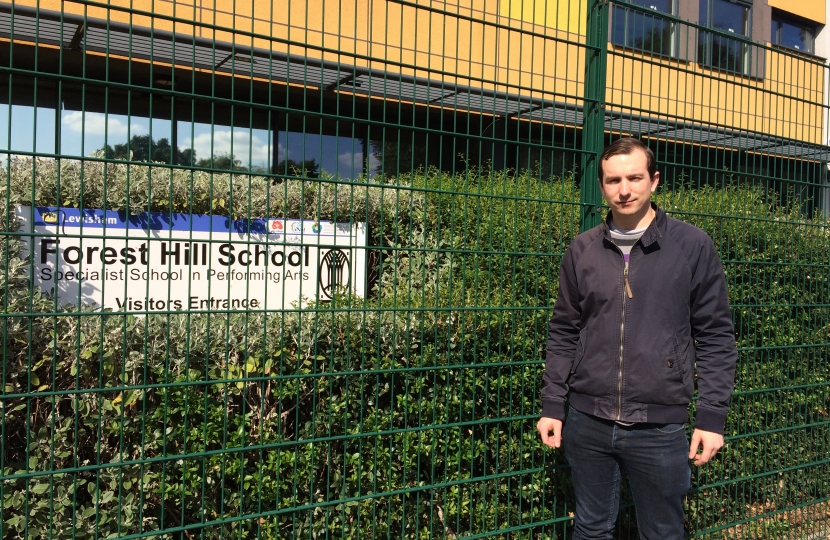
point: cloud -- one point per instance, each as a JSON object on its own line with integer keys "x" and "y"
{"x": 244, "y": 144}
{"x": 374, "y": 163}
{"x": 97, "y": 124}
{"x": 349, "y": 162}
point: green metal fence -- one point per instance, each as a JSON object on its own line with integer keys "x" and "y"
{"x": 283, "y": 270}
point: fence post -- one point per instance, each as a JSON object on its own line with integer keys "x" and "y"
{"x": 593, "y": 132}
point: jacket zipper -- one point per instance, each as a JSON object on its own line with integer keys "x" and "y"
{"x": 626, "y": 292}
{"x": 622, "y": 341}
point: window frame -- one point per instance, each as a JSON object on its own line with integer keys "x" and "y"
{"x": 778, "y": 19}
{"x": 705, "y": 60}
{"x": 673, "y": 32}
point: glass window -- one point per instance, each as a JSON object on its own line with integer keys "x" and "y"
{"x": 96, "y": 121}
{"x": 222, "y": 147}
{"x": 790, "y": 34}
{"x": 27, "y": 116}
{"x": 32, "y": 129}
{"x": 645, "y": 32}
{"x": 119, "y": 136}
{"x": 310, "y": 147}
{"x": 718, "y": 51}
{"x": 392, "y": 151}
{"x": 235, "y": 138}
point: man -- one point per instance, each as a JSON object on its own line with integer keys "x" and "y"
{"x": 642, "y": 303}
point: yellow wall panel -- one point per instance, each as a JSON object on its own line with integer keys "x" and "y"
{"x": 786, "y": 102}
{"x": 814, "y": 10}
{"x": 566, "y": 15}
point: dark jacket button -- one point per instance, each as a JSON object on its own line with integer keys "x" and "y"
{"x": 670, "y": 363}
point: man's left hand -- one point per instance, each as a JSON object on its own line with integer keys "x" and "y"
{"x": 705, "y": 444}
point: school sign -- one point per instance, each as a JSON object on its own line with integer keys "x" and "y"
{"x": 160, "y": 262}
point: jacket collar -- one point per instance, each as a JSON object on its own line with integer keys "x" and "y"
{"x": 651, "y": 234}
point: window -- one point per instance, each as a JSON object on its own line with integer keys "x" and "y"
{"x": 27, "y": 116}
{"x": 224, "y": 147}
{"x": 791, "y": 34}
{"x": 236, "y": 137}
{"x": 721, "y": 52}
{"x": 309, "y": 146}
{"x": 645, "y": 32}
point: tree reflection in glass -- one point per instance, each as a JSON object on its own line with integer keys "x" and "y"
{"x": 646, "y": 32}
{"x": 718, "y": 51}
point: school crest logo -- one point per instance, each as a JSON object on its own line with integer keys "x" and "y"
{"x": 334, "y": 272}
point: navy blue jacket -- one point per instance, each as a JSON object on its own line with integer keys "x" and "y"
{"x": 630, "y": 354}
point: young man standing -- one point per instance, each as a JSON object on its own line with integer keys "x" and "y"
{"x": 642, "y": 305}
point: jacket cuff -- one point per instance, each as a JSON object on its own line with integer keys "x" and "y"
{"x": 553, "y": 409}
{"x": 710, "y": 420}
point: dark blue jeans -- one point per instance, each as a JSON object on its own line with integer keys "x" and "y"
{"x": 655, "y": 458}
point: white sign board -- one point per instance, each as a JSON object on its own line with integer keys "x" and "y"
{"x": 164, "y": 262}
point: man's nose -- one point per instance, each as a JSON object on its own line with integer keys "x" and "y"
{"x": 625, "y": 189}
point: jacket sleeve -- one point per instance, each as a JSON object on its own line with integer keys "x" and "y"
{"x": 712, "y": 329}
{"x": 563, "y": 335}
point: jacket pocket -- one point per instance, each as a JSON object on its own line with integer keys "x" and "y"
{"x": 579, "y": 354}
{"x": 675, "y": 362}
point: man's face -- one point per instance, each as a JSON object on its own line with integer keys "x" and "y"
{"x": 626, "y": 184}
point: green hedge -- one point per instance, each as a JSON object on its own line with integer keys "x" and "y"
{"x": 416, "y": 405}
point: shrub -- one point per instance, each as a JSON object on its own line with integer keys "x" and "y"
{"x": 176, "y": 420}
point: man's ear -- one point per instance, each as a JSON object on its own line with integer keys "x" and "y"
{"x": 654, "y": 181}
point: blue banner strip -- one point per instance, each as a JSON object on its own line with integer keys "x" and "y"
{"x": 163, "y": 221}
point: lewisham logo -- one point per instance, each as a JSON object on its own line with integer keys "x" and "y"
{"x": 335, "y": 272}
{"x": 316, "y": 228}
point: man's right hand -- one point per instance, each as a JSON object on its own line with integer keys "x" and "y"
{"x": 551, "y": 431}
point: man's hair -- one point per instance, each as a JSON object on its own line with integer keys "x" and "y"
{"x": 624, "y": 147}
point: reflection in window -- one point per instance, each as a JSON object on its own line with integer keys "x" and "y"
{"x": 222, "y": 147}
{"x": 792, "y": 35}
{"x": 646, "y": 32}
{"x": 309, "y": 147}
{"x": 115, "y": 136}
{"x": 719, "y": 51}
{"x": 24, "y": 128}
{"x": 148, "y": 148}
{"x": 395, "y": 151}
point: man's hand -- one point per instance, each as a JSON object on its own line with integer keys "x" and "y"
{"x": 548, "y": 425}
{"x": 710, "y": 443}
